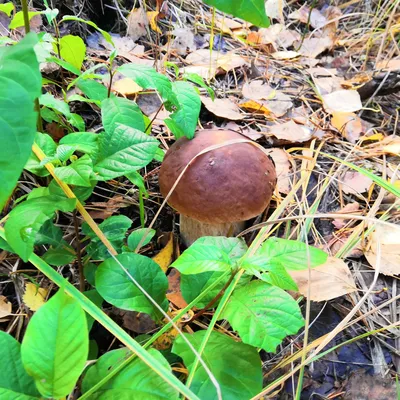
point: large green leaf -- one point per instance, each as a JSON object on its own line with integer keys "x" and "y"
{"x": 55, "y": 346}
{"x": 114, "y": 228}
{"x": 122, "y": 151}
{"x": 20, "y": 84}
{"x": 117, "y": 110}
{"x": 141, "y": 235}
{"x": 263, "y": 314}
{"x": 15, "y": 383}
{"x": 18, "y": 19}
{"x": 185, "y": 118}
{"x": 48, "y": 100}
{"x": 84, "y": 142}
{"x": 78, "y": 173}
{"x": 48, "y": 146}
{"x": 210, "y": 254}
{"x": 73, "y": 50}
{"x": 135, "y": 381}
{"x": 93, "y": 90}
{"x": 148, "y": 78}
{"x": 236, "y": 366}
{"x": 250, "y": 10}
{"x": 116, "y": 286}
{"x": 26, "y": 219}
{"x": 292, "y": 254}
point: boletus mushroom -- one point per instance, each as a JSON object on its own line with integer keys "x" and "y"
{"x": 221, "y": 188}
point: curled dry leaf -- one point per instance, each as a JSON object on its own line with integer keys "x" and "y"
{"x": 227, "y": 25}
{"x": 277, "y": 35}
{"x": 165, "y": 257}
{"x": 342, "y": 101}
{"x": 328, "y": 281}
{"x": 138, "y": 23}
{"x": 174, "y": 294}
{"x": 34, "y": 296}
{"x": 353, "y": 182}
{"x": 350, "y": 208}
{"x": 223, "y": 108}
{"x": 348, "y": 124}
{"x": 389, "y": 250}
{"x": 152, "y": 16}
{"x": 292, "y": 132}
{"x": 5, "y": 307}
{"x": 282, "y": 166}
{"x": 285, "y": 55}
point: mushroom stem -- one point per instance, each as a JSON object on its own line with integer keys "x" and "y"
{"x": 191, "y": 229}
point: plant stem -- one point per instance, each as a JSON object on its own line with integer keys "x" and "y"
{"x": 25, "y": 12}
{"x": 78, "y": 254}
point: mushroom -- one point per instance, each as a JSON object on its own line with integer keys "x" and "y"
{"x": 221, "y": 188}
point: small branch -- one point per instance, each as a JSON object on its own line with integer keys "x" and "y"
{"x": 78, "y": 254}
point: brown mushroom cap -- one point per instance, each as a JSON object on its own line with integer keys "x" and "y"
{"x": 229, "y": 184}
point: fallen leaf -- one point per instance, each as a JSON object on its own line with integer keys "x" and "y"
{"x": 328, "y": 281}
{"x": 342, "y": 101}
{"x": 227, "y": 25}
{"x": 277, "y": 35}
{"x": 126, "y": 87}
{"x": 152, "y": 17}
{"x": 292, "y": 132}
{"x": 174, "y": 294}
{"x": 353, "y": 182}
{"x": 34, "y": 296}
{"x": 389, "y": 65}
{"x": 392, "y": 146}
{"x": 255, "y": 107}
{"x": 5, "y": 307}
{"x": 137, "y": 322}
{"x": 350, "y": 208}
{"x": 223, "y": 108}
{"x": 314, "y": 46}
{"x": 282, "y": 166}
{"x": 348, "y": 124}
{"x": 103, "y": 210}
{"x": 274, "y": 9}
{"x": 165, "y": 257}
{"x": 183, "y": 42}
{"x": 137, "y": 24}
{"x": 285, "y": 55}
{"x": 244, "y": 130}
{"x": 389, "y": 250}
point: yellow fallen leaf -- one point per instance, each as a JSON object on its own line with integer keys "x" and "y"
{"x": 165, "y": 256}
{"x": 256, "y": 107}
{"x": 5, "y": 307}
{"x": 348, "y": 124}
{"x": 126, "y": 86}
{"x": 152, "y": 16}
{"x": 34, "y": 297}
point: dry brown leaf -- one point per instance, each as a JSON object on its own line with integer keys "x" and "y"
{"x": 274, "y": 9}
{"x": 389, "y": 250}
{"x": 244, "y": 130}
{"x": 183, "y": 42}
{"x": 342, "y": 101}
{"x": 126, "y": 87}
{"x": 389, "y": 65}
{"x": 305, "y": 15}
{"x": 392, "y": 146}
{"x": 328, "y": 281}
{"x": 137, "y": 24}
{"x": 325, "y": 79}
{"x": 256, "y": 107}
{"x": 348, "y": 124}
{"x": 5, "y": 307}
{"x": 312, "y": 47}
{"x": 152, "y": 17}
{"x": 34, "y": 297}
{"x": 223, "y": 108}
{"x": 174, "y": 294}
{"x": 165, "y": 257}
{"x": 282, "y": 166}
{"x": 276, "y": 35}
{"x": 285, "y": 55}
{"x": 292, "y": 132}
{"x": 353, "y": 182}
{"x": 350, "y": 208}
{"x": 227, "y": 25}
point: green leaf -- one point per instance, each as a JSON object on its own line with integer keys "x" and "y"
{"x": 50, "y": 14}
{"x": 135, "y": 381}
{"x": 148, "y": 78}
{"x": 118, "y": 110}
{"x": 186, "y": 116}
{"x": 198, "y": 80}
{"x": 193, "y": 285}
{"x": 47, "y": 144}
{"x": 89, "y": 270}
{"x": 55, "y": 346}
{"x": 137, "y": 179}
{"x": 84, "y": 142}
{"x": 49, "y": 234}
{"x": 263, "y": 315}
{"x": 26, "y": 219}
{"x": 116, "y": 287}
{"x": 114, "y": 228}
{"x": 122, "y": 151}
{"x": 292, "y": 254}
{"x": 64, "y": 64}
{"x": 278, "y": 276}
{"x": 7, "y": 8}
{"x": 48, "y": 100}
{"x": 210, "y": 254}
{"x": 77, "y": 121}
{"x": 93, "y": 90}
{"x": 15, "y": 383}
{"x": 250, "y": 10}
{"x": 18, "y": 20}
{"x": 137, "y": 235}
{"x": 236, "y": 366}
{"x": 94, "y": 296}
{"x": 73, "y": 50}
{"x": 58, "y": 256}
{"x": 20, "y": 84}
{"x": 78, "y": 173}
{"x": 81, "y": 192}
